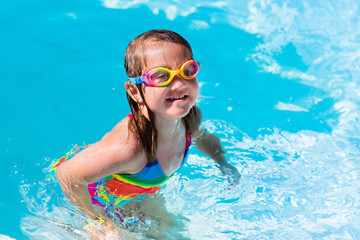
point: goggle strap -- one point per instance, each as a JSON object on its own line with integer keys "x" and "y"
{"x": 136, "y": 80}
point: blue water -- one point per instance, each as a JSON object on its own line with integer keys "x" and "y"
{"x": 279, "y": 85}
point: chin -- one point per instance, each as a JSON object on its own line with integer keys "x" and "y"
{"x": 179, "y": 113}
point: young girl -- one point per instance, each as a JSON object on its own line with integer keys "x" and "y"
{"x": 149, "y": 145}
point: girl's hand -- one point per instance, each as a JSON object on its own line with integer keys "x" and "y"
{"x": 230, "y": 173}
{"x": 104, "y": 230}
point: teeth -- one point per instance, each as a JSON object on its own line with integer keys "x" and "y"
{"x": 177, "y": 98}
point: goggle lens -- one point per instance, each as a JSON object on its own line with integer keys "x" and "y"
{"x": 191, "y": 69}
{"x": 157, "y": 77}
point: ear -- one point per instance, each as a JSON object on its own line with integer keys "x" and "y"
{"x": 134, "y": 92}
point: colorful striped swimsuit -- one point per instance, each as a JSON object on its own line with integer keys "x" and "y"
{"x": 118, "y": 189}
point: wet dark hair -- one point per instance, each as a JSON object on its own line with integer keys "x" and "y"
{"x": 135, "y": 57}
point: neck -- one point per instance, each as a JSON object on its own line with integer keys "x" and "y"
{"x": 168, "y": 128}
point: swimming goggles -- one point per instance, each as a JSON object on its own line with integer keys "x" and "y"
{"x": 162, "y": 76}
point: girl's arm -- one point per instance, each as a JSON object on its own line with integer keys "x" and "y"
{"x": 210, "y": 145}
{"x": 109, "y": 156}
{"x": 76, "y": 190}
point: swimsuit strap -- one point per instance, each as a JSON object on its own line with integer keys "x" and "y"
{"x": 188, "y": 139}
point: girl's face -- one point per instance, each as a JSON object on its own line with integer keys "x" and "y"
{"x": 175, "y": 100}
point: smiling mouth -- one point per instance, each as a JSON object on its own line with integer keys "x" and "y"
{"x": 177, "y": 98}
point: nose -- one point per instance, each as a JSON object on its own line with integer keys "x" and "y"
{"x": 177, "y": 82}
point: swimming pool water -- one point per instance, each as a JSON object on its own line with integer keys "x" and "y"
{"x": 279, "y": 86}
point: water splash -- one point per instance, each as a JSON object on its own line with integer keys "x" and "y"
{"x": 293, "y": 186}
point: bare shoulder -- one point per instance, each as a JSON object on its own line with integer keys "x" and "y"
{"x": 125, "y": 145}
{"x": 119, "y": 151}
{"x": 121, "y": 137}
{"x": 198, "y": 133}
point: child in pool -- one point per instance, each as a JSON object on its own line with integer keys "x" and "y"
{"x": 151, "y": 143}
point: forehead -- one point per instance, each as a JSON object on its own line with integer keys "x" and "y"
{"x": 165, "y": 54}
